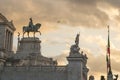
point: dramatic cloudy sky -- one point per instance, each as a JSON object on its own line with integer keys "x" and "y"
{"x": 62, "y": 19}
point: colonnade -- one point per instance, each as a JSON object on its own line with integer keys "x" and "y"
{"x": 8, "y": 40}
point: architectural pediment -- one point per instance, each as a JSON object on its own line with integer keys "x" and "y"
{"x": 3, "y": 18}
{"x": 4, "y": 21}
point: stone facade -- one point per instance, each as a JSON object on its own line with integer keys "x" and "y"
{"x": 6, "y": 35}
{"x": 28, "y": 63}
{"x": 34, "y": 73}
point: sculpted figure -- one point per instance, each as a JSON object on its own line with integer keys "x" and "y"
{"x": 31, "y": 23}
{"x": 31, "y": 28}
{"x": 91, "y": 77}
{"x": 18, "y": 35}
{"x": 102, "y": 78}
{"x": 116, "y": 77}
{"x": 75, "y": 48}
{"x": 77, "y": 39}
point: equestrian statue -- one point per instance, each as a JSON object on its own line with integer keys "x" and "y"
{"x": 31, "y": 28}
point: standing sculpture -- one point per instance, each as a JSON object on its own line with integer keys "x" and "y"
{"x": 91, "y": 77}
{"x": 77, "y": 39}
{"x": 116, "y": 77}
{"x": 75, "y": 48}
{"x": 102, "y": 78}
{"x": 18, "y": 36}
{"x": 31, "y": 28}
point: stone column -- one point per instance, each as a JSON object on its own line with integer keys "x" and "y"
{"x": 11, "y": 43}
{"x": 6, "y": 40}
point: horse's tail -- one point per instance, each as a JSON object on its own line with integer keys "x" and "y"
{"x": 23, "y": 28}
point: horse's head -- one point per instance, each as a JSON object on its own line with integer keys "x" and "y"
{"x": 38, "y": 25}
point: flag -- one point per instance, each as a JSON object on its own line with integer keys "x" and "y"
{"x": 108, "y": 64}
{"x": 109, "y": 71}
{"x": 108, "y": 46}
{"x": 108, "y": 61}
{"x": 108, "y": 54}
{"x": 107, "y": 58}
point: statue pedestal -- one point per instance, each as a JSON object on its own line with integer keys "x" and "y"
{"x": 77, "y": 69}
{"x": 29, "y": 52}
{"x": 28, "y": 46}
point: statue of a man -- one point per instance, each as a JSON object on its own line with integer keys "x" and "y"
{"x": 31, "y": 23}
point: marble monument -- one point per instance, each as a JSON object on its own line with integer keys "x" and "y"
{"x": 28, "y": 63}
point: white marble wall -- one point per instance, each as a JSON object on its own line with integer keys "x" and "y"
{"x": 32, "y": 74}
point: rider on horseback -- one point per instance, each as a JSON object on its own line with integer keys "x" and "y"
{"x": 31, "y": 24}
{"x": 31, "y": 28}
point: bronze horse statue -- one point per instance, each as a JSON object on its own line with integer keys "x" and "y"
{"x": 31, "y": 28}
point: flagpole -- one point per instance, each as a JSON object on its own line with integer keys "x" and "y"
{"x": 109, "y": 70}
{"x": 109, "y": 49}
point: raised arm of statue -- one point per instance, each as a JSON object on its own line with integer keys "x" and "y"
{"x": 77, "y": 39}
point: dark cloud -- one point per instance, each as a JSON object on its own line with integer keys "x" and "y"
{"x": 115, "y": 3}
{"x": 84, "y": 2}
{"x": 73, "y": 12}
